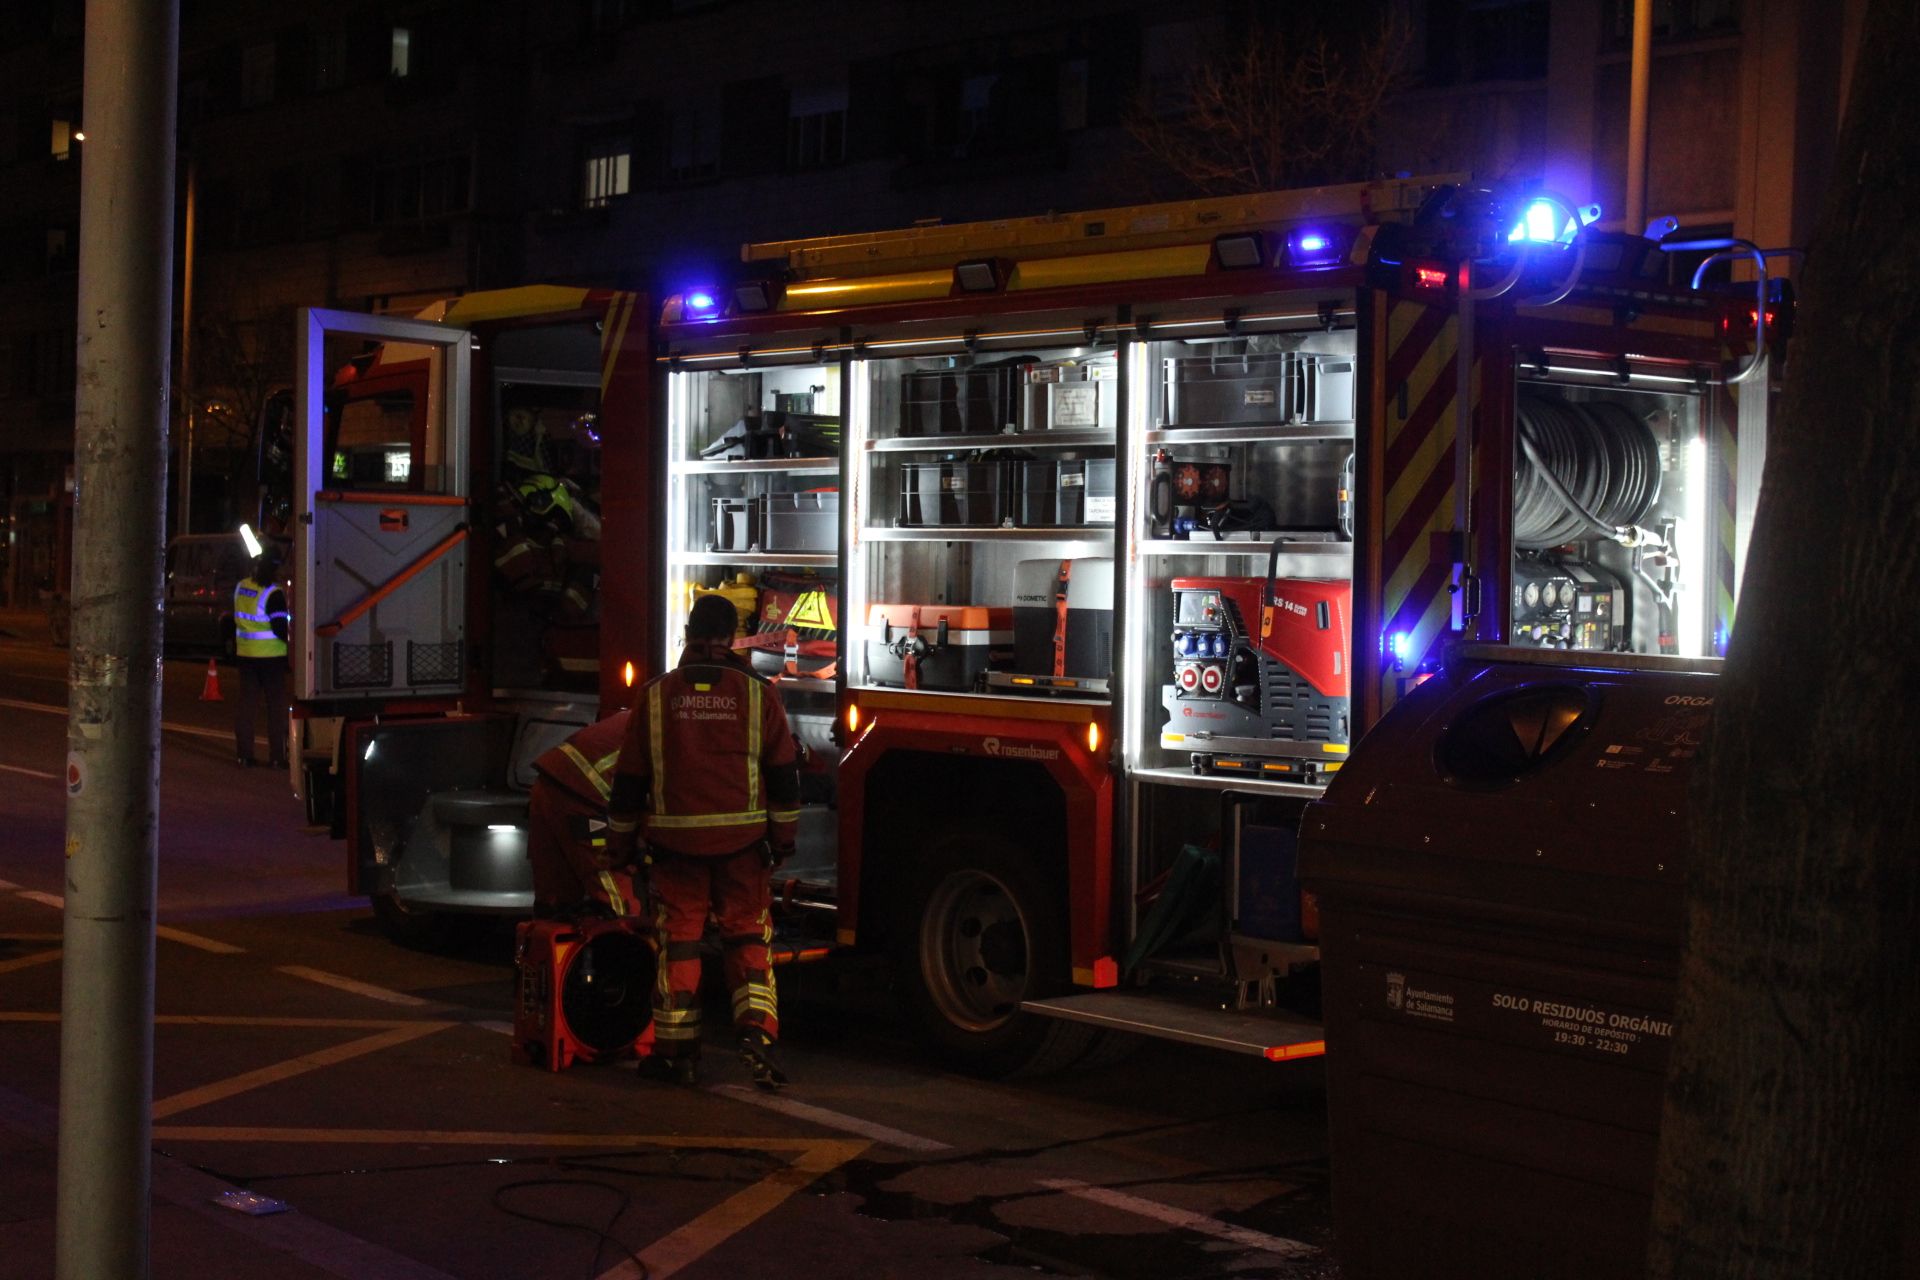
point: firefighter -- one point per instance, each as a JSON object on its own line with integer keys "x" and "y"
{"x": 709, "y": 779}
{"x": 567, "y": 828}
{"x": 260, "y": 629}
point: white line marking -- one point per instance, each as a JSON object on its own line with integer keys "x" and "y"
{"x": 53, "y": 900}
{"x": 830, "y": 1119}
{"x": 504, "y": 1028}
{"x": 366, "y": 989}
{"x": 31, "y": 773}
{"x": 195, "y": 940}
{"x": 191, "y": 730}
{"x": 1176, "y": 1217}
{"x": 8, "y": 886}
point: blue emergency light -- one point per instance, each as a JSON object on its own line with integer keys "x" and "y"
{"x": 701, "y": 303}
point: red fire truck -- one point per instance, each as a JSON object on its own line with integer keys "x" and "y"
{"x": 1080, "y": 547}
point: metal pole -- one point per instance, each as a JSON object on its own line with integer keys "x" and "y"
{"x": 113, "y": 726}
{"x": 185, "y": 500}
{"x": 1637, "y": 90}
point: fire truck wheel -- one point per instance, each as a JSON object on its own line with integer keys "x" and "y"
{"x": 408, "y": 926}
{"x": 990, "y": 934}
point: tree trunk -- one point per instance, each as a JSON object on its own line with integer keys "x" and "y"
{"x": 1788, "y": 1142}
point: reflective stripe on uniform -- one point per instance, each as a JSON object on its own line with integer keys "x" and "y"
{"x": 598, "y": 772}
{"x": 753, "y": 744}
{"x": 614, "y": 897}
{"x": 253, "y": 635}
{"x": 689, "y": 820}
{"x": 785, "y": 815}
{"x": 656, "y": 741}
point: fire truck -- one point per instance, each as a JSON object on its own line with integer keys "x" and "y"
{"x": 1081, "y": 549}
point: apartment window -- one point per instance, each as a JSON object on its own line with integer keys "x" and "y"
{"x": 60, "y": 254}
{"x": 606, "y": 170}
{"x": 329, "y": 61}
{"x": 1073, "y": 95}
{"x": 693, "y": 142}
{"x": 817, "y": 128}
{"x": 1472, "y": 41}
{"x": 976, "y": 100}
{"x": 1172, "y": 50}
{"x": 400, "y": 61}
{"x": 430, "y": 186}
{"x": 256, "y": 75}
{"x": 62, "y": 139}
{"x": 611, "y": 15}
{"x": 1675, "y": 20}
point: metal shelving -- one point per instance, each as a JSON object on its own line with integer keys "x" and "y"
{"x": 1258, "y": 433}
{"x": 1099, "y": 439}
{"x": 1090, "y": 533}
{"x": 760, "y": 466}
{"x": 755, "y": 559}
{"x": 1337, "y": 553}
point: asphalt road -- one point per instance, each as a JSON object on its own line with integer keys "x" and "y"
{"x": 301, "y": 1055}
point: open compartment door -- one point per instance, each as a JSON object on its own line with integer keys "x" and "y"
{"x": 382, "y": 413}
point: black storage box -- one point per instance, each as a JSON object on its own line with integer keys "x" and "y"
{"x": 983, "y": 400}
{"x": 736, "y": 524}
{"x": 953, "y": 493}
{"x": 1500, "y": 876}
{"x": 807, "y": 521}
{"x": 1067, "y": 492}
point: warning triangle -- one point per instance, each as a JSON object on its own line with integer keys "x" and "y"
{"x": 814, "y": 609}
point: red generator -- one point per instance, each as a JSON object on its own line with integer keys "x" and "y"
{"x": 1260, "y": 680}
{"x": 584, "y": 991}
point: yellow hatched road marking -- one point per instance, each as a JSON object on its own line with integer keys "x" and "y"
{"x": 250, "y": 1080}
{"x": 214, "y": 945}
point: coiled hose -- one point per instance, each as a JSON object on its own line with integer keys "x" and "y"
{"x": 1589, "y": 469}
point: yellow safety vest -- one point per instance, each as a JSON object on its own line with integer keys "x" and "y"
{"x": 253, "y": 635}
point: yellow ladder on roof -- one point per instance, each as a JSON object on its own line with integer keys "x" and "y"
{"x": 1141, "y": 226}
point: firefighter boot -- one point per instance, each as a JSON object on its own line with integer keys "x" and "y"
{"x": 682, "y": 1069}
{"x": 756, "y": 1050}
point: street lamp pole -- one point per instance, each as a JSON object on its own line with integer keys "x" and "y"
{"x": 185, "y": 499}
{"x": 113, "y": 674}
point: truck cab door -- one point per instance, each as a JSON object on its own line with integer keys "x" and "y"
{"x": 380, "y": 507}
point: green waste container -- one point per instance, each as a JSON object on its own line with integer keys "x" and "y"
{"x": 1499, "y": 870}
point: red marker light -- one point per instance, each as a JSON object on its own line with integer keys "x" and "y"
{"x": 1430, "y": 277}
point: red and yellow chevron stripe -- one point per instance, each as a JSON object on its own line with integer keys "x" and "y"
{"x": 1413, "y": 474}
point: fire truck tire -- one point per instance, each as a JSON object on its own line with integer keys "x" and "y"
{"x": 408, "y": 926}
{"x": 988, "y": 933}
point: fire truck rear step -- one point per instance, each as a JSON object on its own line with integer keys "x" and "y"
{"x": 1275, "y": 1036}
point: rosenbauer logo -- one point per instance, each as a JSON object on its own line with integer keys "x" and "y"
{"x": 1688, "y": 700}
{"x": 1017, "y": 750}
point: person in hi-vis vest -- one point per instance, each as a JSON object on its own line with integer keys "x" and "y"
{"x": 260, "y": 622}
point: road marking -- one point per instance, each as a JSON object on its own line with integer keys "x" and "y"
{"x": 31, "y": 773}
{"x": 681, "y": 1248}
{"x": 830, "y": 1119}
{"x": 31, "y": 937}
{"x": 214, "y": 945}
{"x": 8, "y": 886}
{"x": 232, "y": 1020}
{"x": 504, "y": 1028}
{"x": 296, "y": 1136}
{"x": 167, "y": 931}
{"x": 27, "y": 962}
{"x": 249, "y": 1080}
{"x": 1177, "y": 1217}
{"x": 190, "y": 730}
{"x": 366, "y": 989}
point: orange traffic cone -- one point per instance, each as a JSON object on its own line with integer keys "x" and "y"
{"x": 210, "y": 691}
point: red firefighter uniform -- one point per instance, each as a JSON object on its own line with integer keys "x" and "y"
{"x": 567, "y": 821}
{"x": 709, "y": 775}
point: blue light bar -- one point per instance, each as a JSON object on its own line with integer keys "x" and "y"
{"x": 700, "y": 302}
{"x": 1401, "y": 646}
{"x": 1543, "y": 223}
{"x": 1313, "y": 247}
